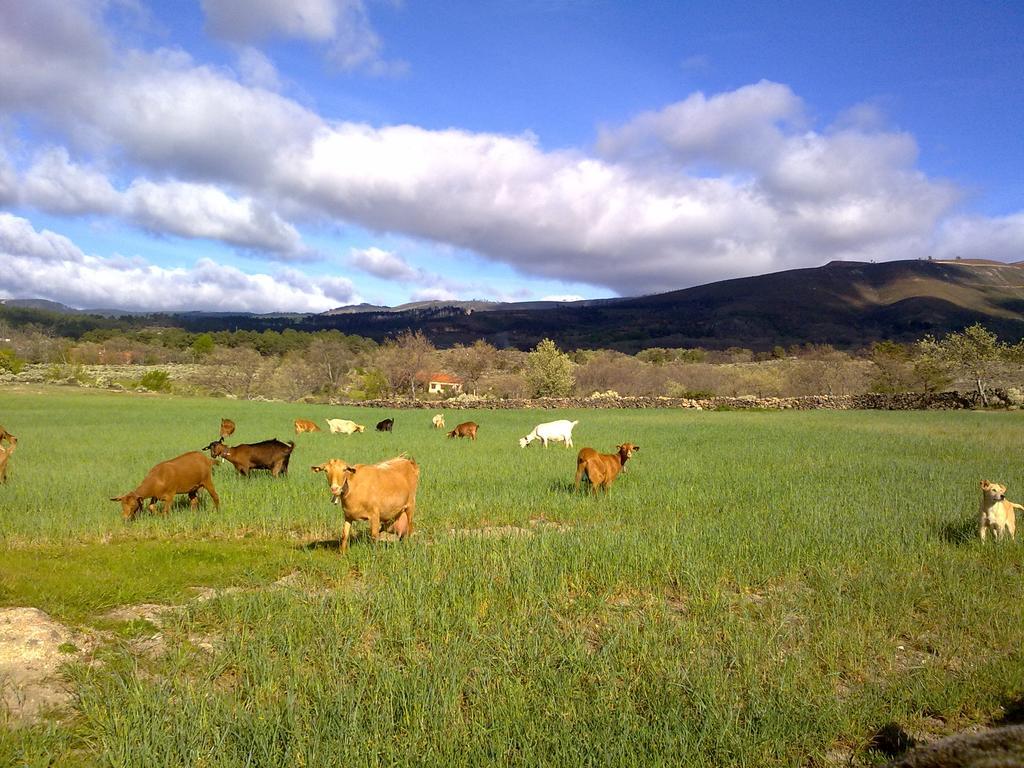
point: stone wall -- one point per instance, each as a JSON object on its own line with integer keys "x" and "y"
{"x": 898, "y": 402}
{"x": 115, "y": 378}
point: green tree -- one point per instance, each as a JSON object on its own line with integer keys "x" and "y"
{"x": 549, "y": 371}
{"x": 972, "y": 353}
{"x": 202, "y": 345}
{"x": 893, "y": 371}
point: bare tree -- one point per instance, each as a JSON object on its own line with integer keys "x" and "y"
{"x": 471, "y": 363}
{"x": 331, "y": 359}
{"x": 401, "y": 359}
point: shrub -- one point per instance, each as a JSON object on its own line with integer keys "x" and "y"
{"x": 156, "y": 381}
{"x": 9, "y": 361}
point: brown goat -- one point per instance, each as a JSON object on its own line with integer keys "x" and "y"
{"x": 5, "y": 453}
{"x": 185, "y": 474}
{"x": 465, "y": 429}
{"x": 268, "y": 454}
{"x": 378, "y": 493}
{"x": 227, "y": 427}
{"x": 601, "y": 469}
{"x": 304, "y": 425}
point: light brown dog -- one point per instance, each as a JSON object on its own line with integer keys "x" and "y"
{"x": 996, "y": 511}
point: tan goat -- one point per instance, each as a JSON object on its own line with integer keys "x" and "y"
{"x": 383, "y": 493}
{"x": 601, "y": 469}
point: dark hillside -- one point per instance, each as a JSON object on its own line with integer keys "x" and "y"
{"x": 847, "y": 304}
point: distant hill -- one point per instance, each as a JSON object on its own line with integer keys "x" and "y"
{"x": 848, "y": 304}
{"x": 42, "y": 305}
{"x": 468, "y": 306}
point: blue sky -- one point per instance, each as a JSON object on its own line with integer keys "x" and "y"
{"x": 268, "y": 155}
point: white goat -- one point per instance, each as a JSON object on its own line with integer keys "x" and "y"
{"x": 553, "y": 431}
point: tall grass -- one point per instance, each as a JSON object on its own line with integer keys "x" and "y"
{"x": 756, "y": 589}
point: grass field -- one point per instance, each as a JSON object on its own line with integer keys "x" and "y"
{"x": 758, "y": 589}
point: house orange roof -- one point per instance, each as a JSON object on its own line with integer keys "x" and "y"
{"x": 441, "y": 378}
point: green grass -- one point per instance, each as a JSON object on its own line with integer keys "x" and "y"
{"x": 757, "y": 589}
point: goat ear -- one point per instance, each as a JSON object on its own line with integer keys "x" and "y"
{"x": 116, "y": 498}
{"x": 319, "y": 468}
{"x": 350, "y": 469}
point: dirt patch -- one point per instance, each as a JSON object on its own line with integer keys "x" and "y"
{"x": 151, "y": 612}
{"x": 536, "y": 525}
{"x": 32, "y": 649}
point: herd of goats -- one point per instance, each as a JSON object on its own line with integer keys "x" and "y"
{"x": 382, "y": 494}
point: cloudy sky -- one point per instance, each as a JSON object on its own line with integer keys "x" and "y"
{"x": 269, "y": 155}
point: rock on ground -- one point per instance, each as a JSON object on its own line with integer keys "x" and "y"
{"x": 30, "y": 658}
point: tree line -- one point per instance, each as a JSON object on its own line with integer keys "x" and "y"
{"x": 293, "y": 364}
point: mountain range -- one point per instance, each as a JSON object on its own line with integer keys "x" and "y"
{"x": 847, "y": 304}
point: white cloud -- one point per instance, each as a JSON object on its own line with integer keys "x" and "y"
{"x": 47, "y": 265}
{"x": 19, "y": 240}
{"x": 736, "y": 129}
{"x": 51, "y": 53}
{"x": 55, "y": 184}
{"x": 384, "y": 264}
{"x": 203, "y": 210}
{"x": 197, "y": 121}
{"x": 343, "y": 26}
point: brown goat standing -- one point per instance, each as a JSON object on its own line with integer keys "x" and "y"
{"x": 601, "y": 469}
{"x": 185, "y": 474}
{"x": 465, "y": 429}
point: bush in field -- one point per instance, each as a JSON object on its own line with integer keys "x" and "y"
{"x": 549, "y": 372}
{"x": 70, "y": 372}
{"x": 9, "y": 361}
{"x": 156, "y": 381}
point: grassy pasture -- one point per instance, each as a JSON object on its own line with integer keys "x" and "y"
{"x": 757, "y": 589}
